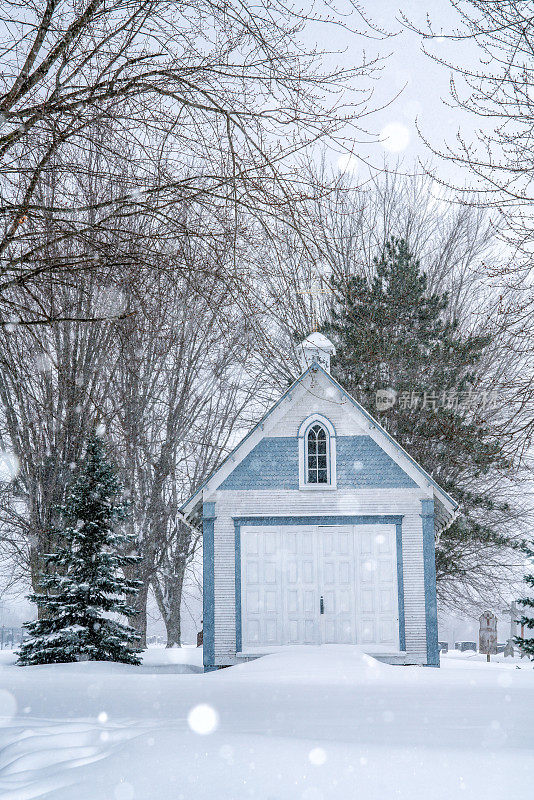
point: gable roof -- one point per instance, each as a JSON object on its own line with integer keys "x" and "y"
{"x": 450, "y": 505}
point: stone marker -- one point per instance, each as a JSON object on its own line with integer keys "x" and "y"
{"x": 487, "y": 637}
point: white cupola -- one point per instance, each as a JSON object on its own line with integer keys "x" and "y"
{"x": 318, "y": 348}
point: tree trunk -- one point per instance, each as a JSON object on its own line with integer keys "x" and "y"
{"x": 138, "y": 621}
{"x": 36, "y": 575}
{"x": 168, "y": 593}
{"x": 44, "y": 542}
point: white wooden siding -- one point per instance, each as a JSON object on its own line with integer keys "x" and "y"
{"x": 325, "y": 400}
{"x": 231, "y": 504}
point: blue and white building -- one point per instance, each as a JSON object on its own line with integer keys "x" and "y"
{"x": 319, "y": 528}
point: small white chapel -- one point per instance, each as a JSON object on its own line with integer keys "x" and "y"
{"x": 319, "y": 528}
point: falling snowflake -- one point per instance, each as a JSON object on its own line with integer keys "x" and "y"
{"x": 8, "y": 705}
{"x": 227, "y": 752}
{"x": 203, "y": 719}
{"x": 395, "y": 137}
{"x": 317, "y": 756}
{"x": 9, "y": 466}
{"x": 43, "y": 363}
{"x": 347, "y": 163}
{"x": 14, "y": 321}
{"x": 124, "y": 791}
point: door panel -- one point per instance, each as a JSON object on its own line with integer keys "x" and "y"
{"x": 287, "y": 569}
{"x": 376, "y": 585}
{"x": 261, "y": 600}
{"x": 336, "y": 549}
{"x": 300, "y": 585}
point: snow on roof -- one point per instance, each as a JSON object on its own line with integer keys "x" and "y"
{"x": 317, "y": 339}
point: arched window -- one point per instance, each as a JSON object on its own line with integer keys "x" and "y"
{"x": 317, "y": 461}
{"x": 317, "y": 453}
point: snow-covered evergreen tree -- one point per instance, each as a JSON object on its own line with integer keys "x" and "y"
{"x": 526, "y": 643}
{"x": 391, "y": 332}
{"x": 84, "y": 588}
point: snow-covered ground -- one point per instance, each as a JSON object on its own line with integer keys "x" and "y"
{"x": 310, "y": 723}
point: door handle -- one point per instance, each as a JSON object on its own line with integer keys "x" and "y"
{"x": 321, "y": 605}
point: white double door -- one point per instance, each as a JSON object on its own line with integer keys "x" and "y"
{"x": 319, "y": 584}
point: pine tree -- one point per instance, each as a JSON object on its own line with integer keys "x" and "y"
{"x": 526, "y": 643}
{"x": 391, "y": 333}
{"x": 83, "y": 588}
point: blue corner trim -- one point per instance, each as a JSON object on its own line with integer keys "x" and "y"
{"x": 368, "y": 519}
{"x": 208, "y": 510}
{"x": 400, "y": 588}
{"x": 431, "y": 606}
{"x": 238, "y": 621}
{"x": 208, "y": 572}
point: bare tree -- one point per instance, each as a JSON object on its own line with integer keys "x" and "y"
{"x": 52, "y": 389}
{"x": 347, "y": 224}
{"x": 54, "y": 380}
{"x": 498, "y": 160}
{"x": 209, "y": 439}
{"x": 454, "y": 243}
{"x": 200, "y": 103}
{"x": 176, "y": 397}
{"x": 499, "y": 90}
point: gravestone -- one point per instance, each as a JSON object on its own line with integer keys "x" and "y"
{"x": 464, "y": 646}
{"x": 514, "y": 615}
{"x": 487, "y": 637}
{"x": 509, "y": 648}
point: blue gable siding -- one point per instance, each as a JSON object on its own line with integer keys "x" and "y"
{"x": 274, "y": 464}
{"x": 361, "y": 462}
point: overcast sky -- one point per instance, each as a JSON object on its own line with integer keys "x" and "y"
{"x": 422, "y": 83}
